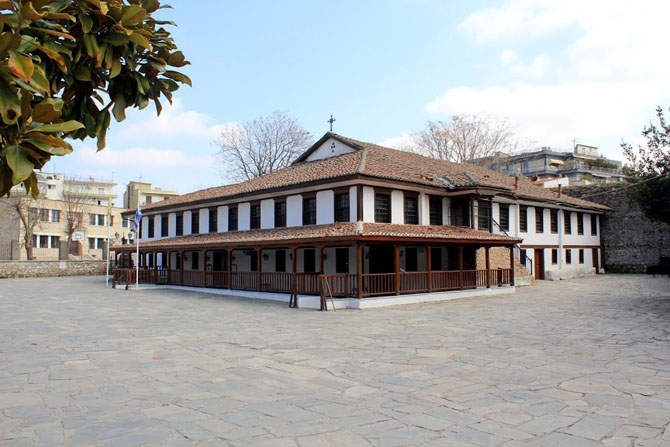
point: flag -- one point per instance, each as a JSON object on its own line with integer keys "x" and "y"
{"x": 138, "y": 219}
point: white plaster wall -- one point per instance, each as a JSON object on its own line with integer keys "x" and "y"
{"x": 158, "y": 222}
{"x": 397, "y": 207}
{"x": 294, "y": 211}
{"x": 242, "y": 261}
{"x": 243, "y": 213}
{"x": 325, "y": 207}
{"x": 424, "y": 209}
{"x": 368, "y": 204}
{"x": 172, "y": 224}
{"x": 353, "y": 204}
{"x": 222, "y": 219}
{"x": 187, "y": 222}
{"x": 204, "y": 220}
{"x": 267, "y": 213}
{"x": 330, "y": 148}
{"x": 330, "y": 263}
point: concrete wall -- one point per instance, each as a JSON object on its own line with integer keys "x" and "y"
{"x": 32, "y": 269}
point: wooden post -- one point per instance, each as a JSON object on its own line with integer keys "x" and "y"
{"x": 460, "y": 267}
{"x": 169, "y": 274}
{"x": 259, "y": 257}
{"x": 429, "y": 269}
{"x": 488, "y": 268}
{"x": 181, "y": 267}
{"x": 321, "y": 249}
{"x": 396, "y": 264}
{"x": 293, "y": 302}
{"x": 359, "y": 269}
{"x": 511, "y": 265}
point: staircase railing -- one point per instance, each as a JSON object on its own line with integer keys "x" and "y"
{"x": 526, "y": 260}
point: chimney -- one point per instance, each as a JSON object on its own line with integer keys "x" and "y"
{"x": 559, "y": 190}
{"x": 516, "y": 182}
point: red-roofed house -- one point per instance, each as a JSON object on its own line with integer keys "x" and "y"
{"x": 375, "y": 221}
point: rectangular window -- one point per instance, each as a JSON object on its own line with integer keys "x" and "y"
{"x": 44, "y": 241}
{"x": 522, "y": 256}
{"x": 382, "y": 208}
{"x": 55, "y": 216}
{"x": 101, "y": 243}
{"x": 91, "y": 243}
{"x": 150, "y": 222}
{"x": 484, "y": 215}
{"x": 180, "y": 224}
{"x": 44, "y": 215}
{"x": 309, "y": 211}
{"x": 411, "y": 205}
{"x": 523, "y": 218}
{"x": 55, "y": 241}
{"x": 460, "y": 212}
{"x": 195, "y": 222}
{"x": 213, "y": 220}
{"x": 539, "y": 220}
{"x": 280, "y": 214}
{"x": 554, "y": 220}
{"x": 280, "y": 260}
{"x": 594, "y": 224}
{"x": 255, "y": 216}
{"x": 92, "y": 219}
{"x": 309, "y": 258}
{"x": 567, "y": 224}
{"x": 581, "y": 255}
{"x": 232, "y": 219}
{"x": 580, "y": 223}
{"x": 568, "y": 256}
{"x": 341, "y": 260}
{"x": 504, "y": 216}
{"x": 554, "y": 256}
{"x": 435, "y": 209}
{"x": 342, "y": 207}
{"x": 165, "y": 221}
{"x": 101, "y": 220}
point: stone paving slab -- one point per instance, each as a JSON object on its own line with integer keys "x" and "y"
{"x": 583, "y": 362}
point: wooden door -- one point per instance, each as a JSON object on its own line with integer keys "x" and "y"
{"x": 538, "y": 260}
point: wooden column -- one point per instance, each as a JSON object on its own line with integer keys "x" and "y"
{"x": 204, "y": 266}
{"x": 259, "y": 256}
{"x": 488, "y": 268}
{"x": 181, "y": 267}
{"x": 230, "y": 268}
{"x": 320, "y": 248}
{"x": 428, "y": 269}
{"x": 359, "y": 269}
{"x": 511, "y": 265}
{"x": 396, "y": 265}
{"x": 460, "y": 267}
{"x": 293, "y": 301}
{"x": 169, "y": 274}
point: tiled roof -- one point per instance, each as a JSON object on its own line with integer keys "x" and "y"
{"x": 324, "y": 233}
{"x": 380, "y": 162}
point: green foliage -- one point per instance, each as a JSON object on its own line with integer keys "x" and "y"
{"x": 650, "y": 167}
{"x": 66, "y": 66}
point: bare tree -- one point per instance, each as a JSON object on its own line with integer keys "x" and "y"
{"x": 74, "y": 205}
{"x": 263, "y": 145}
{"x": 26, "y": 209}
{"x": 465, "y": 138}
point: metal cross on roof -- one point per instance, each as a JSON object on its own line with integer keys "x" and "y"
{"x": 331, "y": 121}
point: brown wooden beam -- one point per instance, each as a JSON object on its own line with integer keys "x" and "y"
{"x": 359, "y": 268}
{"x": 511, "y": 264}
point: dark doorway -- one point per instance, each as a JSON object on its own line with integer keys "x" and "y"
{"x": 381, "y": 259}
{"x": 538, "y": 260}
{"x": 411, "y": 261}
{"x": 309, "y": 256}
{"x": 594, "y": 251}
{"x": 436, "y": 259}
{"x": 341, "y": 260}
{"x": 218, "y": 261}
{"x": 280, "y": 260}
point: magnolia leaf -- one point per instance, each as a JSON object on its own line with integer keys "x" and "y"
{"x": 53, "y": 55}
{"x": 119, "y": 108}
{"x": 10, "y": 106}
{"x": 26, "y": 98}
{"x": 18, "y": 162}
{"x": 86, "y": 23}
{"x": 54, "y": 33}
{"x": 21, "y": 66}
{"x": 116, "y": 68}
{"x": 6, "y": 40}
{"x": 140, "y": 40}
{"x": 116, "y": 39}
{"x": 48, "y": 148}
{"x": 48, "y": 139}
{"x": 81, "y": 73}
{"x": 45, "y": 113}
{"x": 91, "y": 45}
{"x": 177, "y": 59}
{"x": 178, "y": 77}
{"x": 104, "y": 119}
{"x": 67, "y": 126}
{"x": 6, "y": 4}
{"x": 28, "y": 12}
{"x": 39, "y": 82}
{"x": 132, "y": 15}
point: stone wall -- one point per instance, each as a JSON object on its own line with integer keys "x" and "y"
{"x": 499, "y": 257}
{"x": 32, "y": 269}
{"x": 631, "y": 241}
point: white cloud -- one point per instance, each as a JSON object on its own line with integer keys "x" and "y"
{"x": 402, "y": 142}
{"x": 141, "y": 157}
{"x": 173, "y": 122}
{"x": 537, "y": 67}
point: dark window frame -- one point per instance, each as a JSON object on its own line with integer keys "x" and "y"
{"x": 594, "y": 224}
{"x": 580, "y": 223}
{"x": 179, "y": 225}
{"x": 503, "y": 216}
{"x": 165, "y": 225}
{"x": 309, "y": 209}
{"x": 233, "y": 215}
{"x": 554, "y": 256}
{"x": 411, "y": 217}
{"x": 383, "y": 211}
{"x": 280, "y": 213}
{"x": 484, "y": 215}
{"x": 213, "y": 220}
{"x": 581, "y": 256}
{"x": 523, "y": 218}
{"x": 433, "y": 217}
{"x": 341, "y": 210}
{"x": 151, "y": 230}
{"x": 568, "y": 255}
{"x": 195, "y": 222}
{"x": 254, "y": 215}
{"x": 539, "y": 220}
{"x": 553, "y": 216}
{"x": 567, "y": 222}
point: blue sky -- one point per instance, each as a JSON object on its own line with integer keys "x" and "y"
{"x": 555, "y": 70}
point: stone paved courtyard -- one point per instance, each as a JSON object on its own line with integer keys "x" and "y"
{"x": 573, "y": 363}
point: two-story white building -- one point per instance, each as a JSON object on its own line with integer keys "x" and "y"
{"x": 374, "y": 220}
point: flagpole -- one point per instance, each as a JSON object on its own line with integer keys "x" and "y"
{"x": 137, "y": 237}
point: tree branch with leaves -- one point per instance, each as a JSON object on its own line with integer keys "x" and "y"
{"x": 67, "y": 66}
